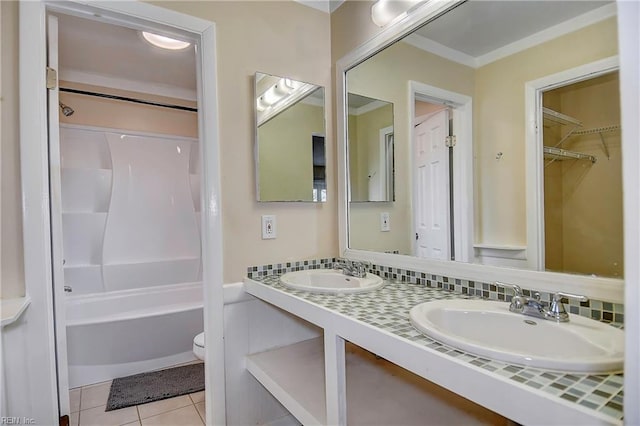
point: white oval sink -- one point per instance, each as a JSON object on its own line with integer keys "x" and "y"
{"x": 489, "y": 329}
{"x": 330, "y": 281}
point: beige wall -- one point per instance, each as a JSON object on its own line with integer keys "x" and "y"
{"x": 278, "y": 38}
{"x": 499, "y": 124}
{"x": 109, "y": 113}
{"x": 591, "y": 197}
{"x": 285, "y": 153}
{"x": 11, "y": 262}
{"x": 351, "y": 26}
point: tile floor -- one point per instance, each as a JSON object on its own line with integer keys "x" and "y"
{"x": 88, "y": 404}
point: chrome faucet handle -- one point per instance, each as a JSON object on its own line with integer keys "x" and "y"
{"x": 517, "y": 301}
{"x": 557, "y": 310}
{"x": 516, "y": 288}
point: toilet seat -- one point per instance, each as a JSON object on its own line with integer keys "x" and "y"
{"x": 198, "y": 346}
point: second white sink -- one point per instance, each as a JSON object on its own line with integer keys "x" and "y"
{"x": 330, "y": 281}
{"x": 489, "y": 329}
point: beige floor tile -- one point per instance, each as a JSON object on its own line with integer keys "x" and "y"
{"x": 74, "y": 419}
{"x": 202, "y": 411}
{"x": 185, "y": 416}
{"x": 95, "y": 395}
{"x": 154, "y": 408}
{"x": 197, "y": 397}
{"x": 74, "y": 399}
{"x": 98, "y": 417}
{"x": 133, "y": 424}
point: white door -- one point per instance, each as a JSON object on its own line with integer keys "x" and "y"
{"x": 57, "y": 255}
{"x": 431, "y": 172}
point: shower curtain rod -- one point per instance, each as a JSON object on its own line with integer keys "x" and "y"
{"x": 123, "y": 98}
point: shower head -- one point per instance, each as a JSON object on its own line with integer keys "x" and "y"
{"x": 66, "y": 110}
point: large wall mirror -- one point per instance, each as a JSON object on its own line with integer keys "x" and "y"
{"x": 290, "y": 140}
{"x": 506, "y": 143}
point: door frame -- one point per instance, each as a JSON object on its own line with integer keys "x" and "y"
{"x": 463, "y": 192}
{"x": 40, "y": 361}
{"x": 534, "y": 156}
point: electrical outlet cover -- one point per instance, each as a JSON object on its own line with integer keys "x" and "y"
{"x": 385, "y": 222}
{"x": 268, "y": 227}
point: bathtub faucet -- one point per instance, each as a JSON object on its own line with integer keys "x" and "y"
{"x": 353, "y": 268}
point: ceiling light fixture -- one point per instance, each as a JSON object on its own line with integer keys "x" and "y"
{"x": 165, "y": 42}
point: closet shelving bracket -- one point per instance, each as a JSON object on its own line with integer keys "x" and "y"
{"x": 558, "y": 153}
{"x": 563, "y": 154}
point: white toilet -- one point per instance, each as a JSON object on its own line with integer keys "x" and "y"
{"x": 198, "y": 346}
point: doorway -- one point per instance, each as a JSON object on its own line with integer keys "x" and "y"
{"x": 583, "y": 230}
{"x": 442, "y": 201}
{"x": 36, "y": 181}
{"x": 566, "y": 148}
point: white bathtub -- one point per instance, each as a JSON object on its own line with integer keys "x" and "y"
{"x": 120, "y": 333}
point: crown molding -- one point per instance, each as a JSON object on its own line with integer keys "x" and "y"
{"x": 569, "y": 26}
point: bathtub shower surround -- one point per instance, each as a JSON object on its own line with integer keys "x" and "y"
{"x": 132, "y": 256}
{"x": 130, "y": 210}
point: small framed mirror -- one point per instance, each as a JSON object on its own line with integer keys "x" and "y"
{"x": 371, "y": 149}
{"x": 290, "y": 140}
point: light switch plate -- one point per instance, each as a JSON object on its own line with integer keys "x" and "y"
{"x": 385, "y": 222}
{"x": 268, "y": 227}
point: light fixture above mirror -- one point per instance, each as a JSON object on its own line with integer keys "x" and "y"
{"x": 276, "y": 97}
{"x": 385, "y": 11}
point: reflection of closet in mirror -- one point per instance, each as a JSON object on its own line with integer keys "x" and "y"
{"x": 583, "y": 178}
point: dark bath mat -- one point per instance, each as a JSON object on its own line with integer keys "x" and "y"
{"x": 156, "y": 385}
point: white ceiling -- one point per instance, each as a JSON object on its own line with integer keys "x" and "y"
{"x": 97, "y": 53}
{"x": 479, "y": 27}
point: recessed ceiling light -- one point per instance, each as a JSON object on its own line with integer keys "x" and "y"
{"x": 165, "y": 42}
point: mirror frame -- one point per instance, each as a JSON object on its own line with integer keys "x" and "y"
{"x": 606, "y": 289}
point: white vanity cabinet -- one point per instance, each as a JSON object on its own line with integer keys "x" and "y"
{"x": 337, "y": 379}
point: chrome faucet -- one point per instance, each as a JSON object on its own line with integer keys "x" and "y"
{"x": 353, "y": 268}
{"x": 532, "y": 306}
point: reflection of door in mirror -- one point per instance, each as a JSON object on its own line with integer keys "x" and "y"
{"x": 432, "y": 185}
{"x": 583, "y": 230}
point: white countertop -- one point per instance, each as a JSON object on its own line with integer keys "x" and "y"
{"x": 378, "y": 322}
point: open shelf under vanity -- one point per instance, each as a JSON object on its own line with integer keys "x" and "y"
{"x": 378, "y": 391}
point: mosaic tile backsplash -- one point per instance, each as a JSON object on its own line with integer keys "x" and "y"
{"x": 595, "y": 309}
{"x": 388, "y": 309}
